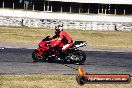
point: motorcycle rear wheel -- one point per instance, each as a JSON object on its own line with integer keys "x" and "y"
{"x": 78, "y": 57}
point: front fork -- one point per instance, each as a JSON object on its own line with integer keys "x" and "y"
{"x": 40, "y": 52}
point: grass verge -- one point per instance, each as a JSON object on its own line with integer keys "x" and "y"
{"x": 50, "y": 81}
{"x": 95, "y": 38}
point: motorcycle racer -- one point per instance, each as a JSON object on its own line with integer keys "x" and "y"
{"x": 63, "y": 39}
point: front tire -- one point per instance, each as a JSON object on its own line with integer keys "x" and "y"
{"x": 35, "y": 56}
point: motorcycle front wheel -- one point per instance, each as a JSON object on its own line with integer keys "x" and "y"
{"x": 35, "y": 56}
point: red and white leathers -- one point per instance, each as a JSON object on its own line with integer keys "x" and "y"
{"x": 63, "y": 40}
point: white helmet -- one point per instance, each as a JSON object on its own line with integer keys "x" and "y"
{"x": 59, "y": 28}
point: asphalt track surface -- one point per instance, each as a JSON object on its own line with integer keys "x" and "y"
{"x": 19, "y": 61}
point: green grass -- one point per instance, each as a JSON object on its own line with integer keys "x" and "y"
{"x": 94, "y": 38}
{"x": 50, "y": 81}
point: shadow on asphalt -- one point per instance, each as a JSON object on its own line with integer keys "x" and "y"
{"x": 24, "y": 55}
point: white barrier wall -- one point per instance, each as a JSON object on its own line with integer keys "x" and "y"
{"x": 83, "y": 25}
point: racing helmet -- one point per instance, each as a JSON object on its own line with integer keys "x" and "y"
{"x": 59, "y": 28}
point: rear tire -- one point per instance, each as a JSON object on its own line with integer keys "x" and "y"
{"x": 79, "y": 57}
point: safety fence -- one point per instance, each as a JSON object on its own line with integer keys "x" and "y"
{"x": 68, "y": 24}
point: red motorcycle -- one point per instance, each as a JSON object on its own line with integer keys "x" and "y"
{"x": 45, "y": 53}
